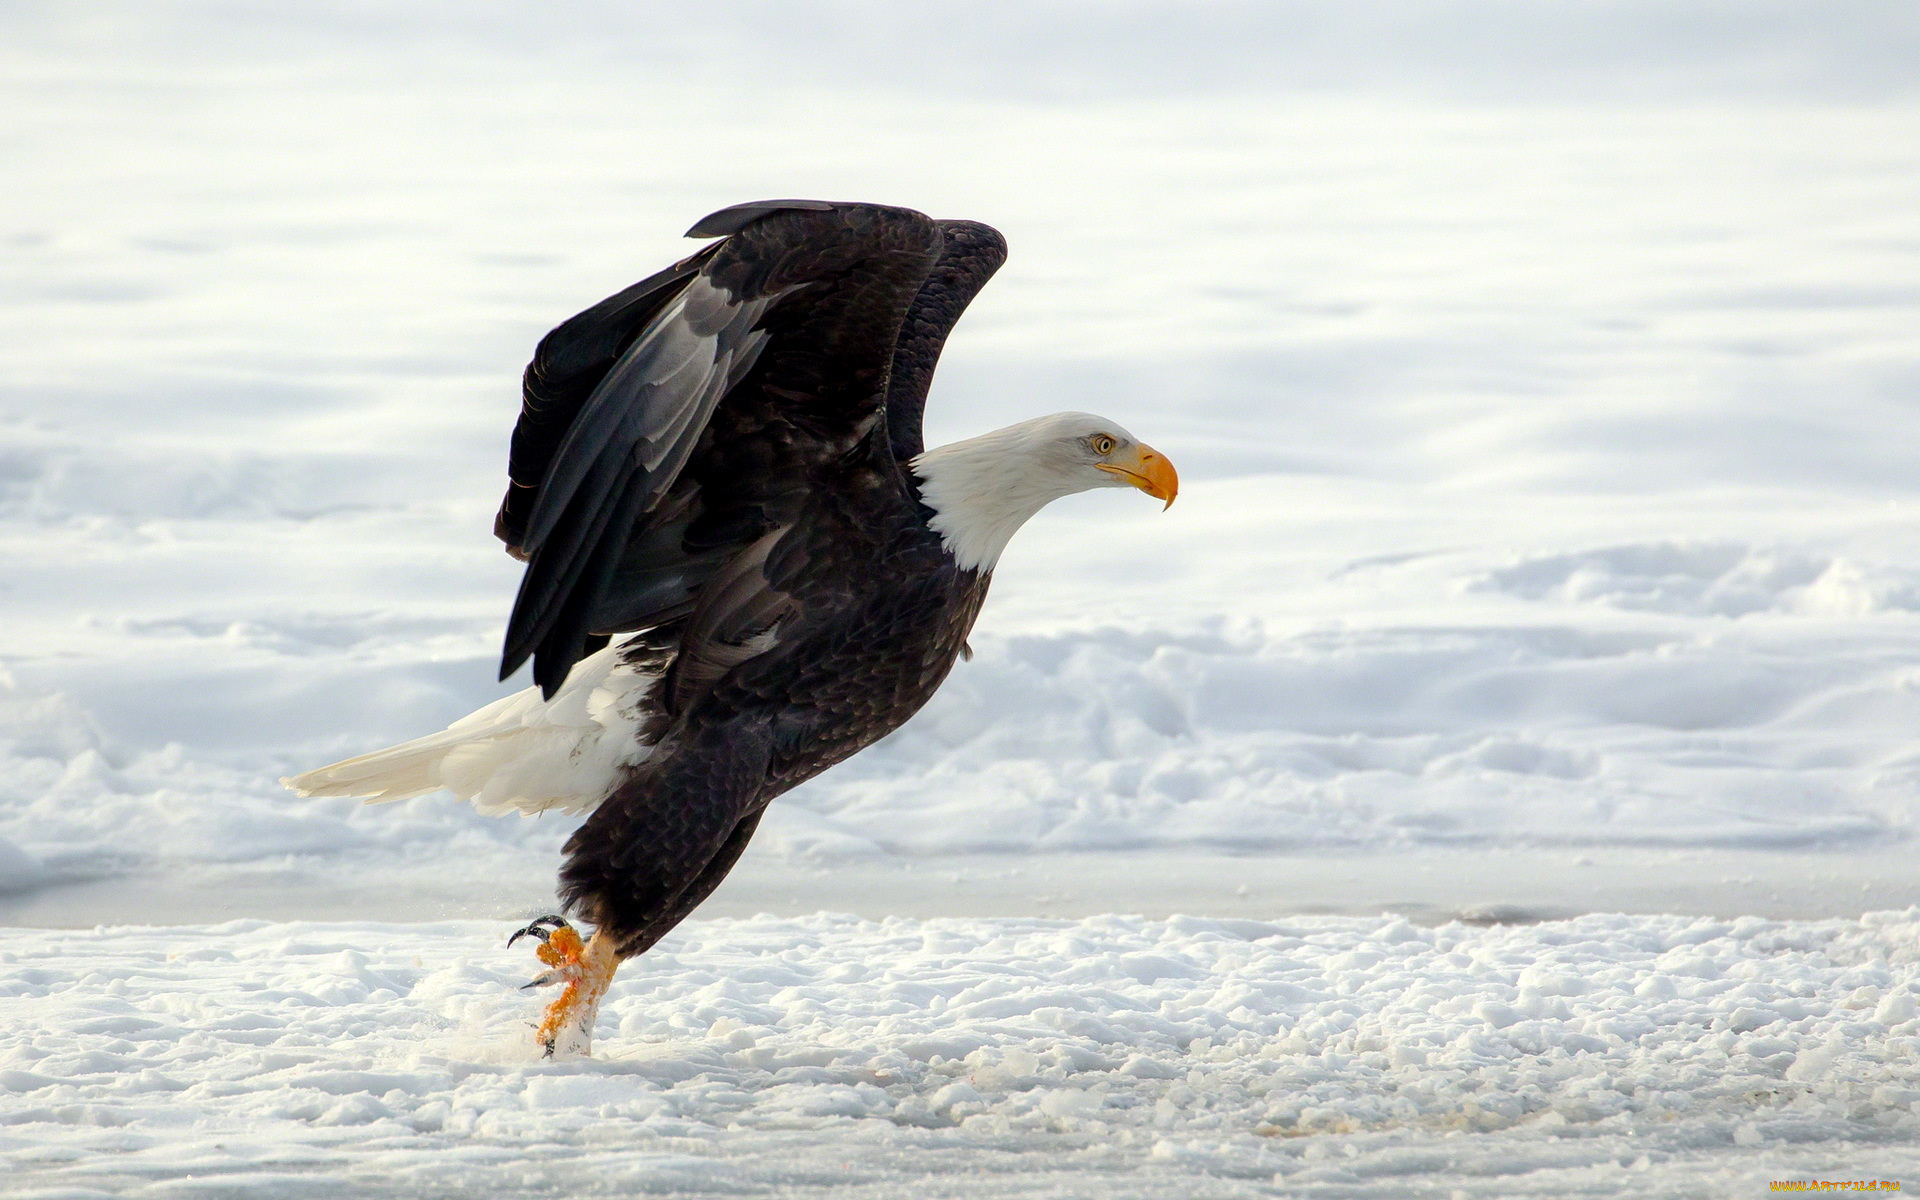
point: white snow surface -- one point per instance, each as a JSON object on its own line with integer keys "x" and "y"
{"x": 1114, "y": 1056}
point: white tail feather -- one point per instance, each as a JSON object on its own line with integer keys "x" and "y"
{"x": 520, "y": 752}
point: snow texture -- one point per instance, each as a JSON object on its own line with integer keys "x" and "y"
{"x": 1541, "y": 380}
{"x": 1112, "y": 1056}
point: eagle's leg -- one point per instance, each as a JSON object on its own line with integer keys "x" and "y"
{"x": 584, "y": 970}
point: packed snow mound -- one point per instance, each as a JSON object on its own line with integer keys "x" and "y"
{"x": 1728, "y": 579}
{"x": 1607, "y": 1055}
{"x": 1222, "y": 735}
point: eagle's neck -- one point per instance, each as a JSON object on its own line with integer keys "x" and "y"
{"x": 982, "y": 490}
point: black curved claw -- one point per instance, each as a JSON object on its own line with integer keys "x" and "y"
{"x": 541, "y": 928}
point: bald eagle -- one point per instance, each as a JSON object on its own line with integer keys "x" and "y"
{"x": 722, "y": 466}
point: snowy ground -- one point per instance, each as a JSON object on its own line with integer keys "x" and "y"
{"x": 1542, "y": 379}
{"x": 1114, "y": 1056}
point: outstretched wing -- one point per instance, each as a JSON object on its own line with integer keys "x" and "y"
{"x": 705, "y": 404}
{"x": 969, "y": 255}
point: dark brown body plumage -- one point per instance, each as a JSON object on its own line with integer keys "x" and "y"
{"x": 716, "y": 458}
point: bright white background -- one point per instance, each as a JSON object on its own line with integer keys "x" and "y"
{"x": 1543, "y": 379}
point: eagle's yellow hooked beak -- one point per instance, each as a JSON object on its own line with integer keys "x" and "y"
{"x": 1148, "y": 470}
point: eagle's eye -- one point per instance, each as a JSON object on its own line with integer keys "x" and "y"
{"x": 1102, "y": 444}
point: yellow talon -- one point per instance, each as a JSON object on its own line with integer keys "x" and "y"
{"x": 586, "y": 970}
{"x": 562, "y": 947}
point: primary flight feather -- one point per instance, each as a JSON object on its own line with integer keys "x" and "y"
{"x": 722, "y": 466}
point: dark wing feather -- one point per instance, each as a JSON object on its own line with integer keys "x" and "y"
{"x": 651, "y": 408}
{"x": 567, "y": 366}
{"x": 738, "y": 617}
{"x": 735, "y": 217}
{"x": 627, "y": 445}
{"x": 750, "y": 383}
{"x": 970, "y": 254}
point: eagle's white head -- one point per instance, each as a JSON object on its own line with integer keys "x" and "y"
{"x": 982, "y": 490}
